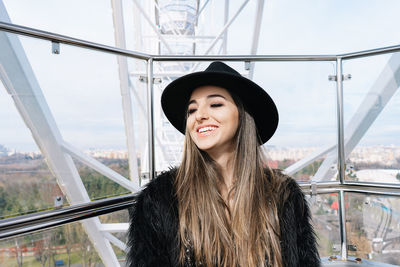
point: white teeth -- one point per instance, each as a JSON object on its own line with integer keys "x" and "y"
{"x": 201, "y": 130}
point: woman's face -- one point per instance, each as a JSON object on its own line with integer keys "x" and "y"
{"x": 213, "y": 119}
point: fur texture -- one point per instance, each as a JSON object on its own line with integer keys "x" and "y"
{"x": 153, "y": 239}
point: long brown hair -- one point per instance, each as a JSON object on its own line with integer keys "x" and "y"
{"x": 250, "y": 233}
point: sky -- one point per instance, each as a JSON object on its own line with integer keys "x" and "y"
{"x": 82, "y": 87}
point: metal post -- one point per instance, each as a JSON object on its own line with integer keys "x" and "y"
{"x": 341, "y": 156}
{"x": 342, "y": 219}
{"x": 150, "y": 117}
{"x": 226, "y": 17}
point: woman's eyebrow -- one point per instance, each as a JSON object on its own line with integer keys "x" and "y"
{"x": 209, "y": 96}
{"x": 215, "y": 95}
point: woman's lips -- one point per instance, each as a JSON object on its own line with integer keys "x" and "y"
{"x": 206, "y": 130}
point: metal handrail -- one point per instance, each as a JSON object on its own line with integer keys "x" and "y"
{"x": 371, "y": 52}
{"x": 53, "y": 37}
{"x": 40, "y": 34}
{"x": 42, "y": 220}
{"x": 252, "y": 58}
{"x": 46, "y": 219}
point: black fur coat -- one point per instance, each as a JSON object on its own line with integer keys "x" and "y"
{"x": 153, "y": 239}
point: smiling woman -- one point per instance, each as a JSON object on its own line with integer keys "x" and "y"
{"x": 223, "y": 206}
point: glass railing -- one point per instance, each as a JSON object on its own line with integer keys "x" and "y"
{"x": 371, "y": 110}
{"x": 373, "y": 227}
{"x": 75, "y": 129}
{"x": 66, "y": 245}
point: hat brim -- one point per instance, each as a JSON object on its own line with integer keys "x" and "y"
{"x": 254, "y": 98}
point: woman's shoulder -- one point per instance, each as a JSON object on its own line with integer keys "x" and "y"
{"x": 286, "y": 188}
{"x": 160, "y": 187}
{"x": 282, "y": 180}
{"x": 156, "y": 199}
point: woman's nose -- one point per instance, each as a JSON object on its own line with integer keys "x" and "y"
{"x": 201, "y": 114}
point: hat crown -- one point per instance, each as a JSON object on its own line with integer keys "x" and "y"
{"x": 218, "y": 66}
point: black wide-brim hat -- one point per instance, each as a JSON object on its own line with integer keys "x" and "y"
{"x": 256, "y": 101}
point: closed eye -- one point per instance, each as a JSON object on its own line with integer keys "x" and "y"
{"x": 216, "y": 105}
{"x": 191, "y": 110}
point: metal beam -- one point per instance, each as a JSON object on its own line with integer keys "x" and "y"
{"x": 150, "y": 121}
{"x": 147, "y": 18}
{"x": 340, "y": 120}
{"x": 342, "y": 220}
{"x": 221, "y": 33}
{"x": 256, "y": 34}
{"x": 114, "y": 227}
{"x": 121, "y": 245}
{"x": 127, "y": 109}
{"x": 226, "y": 17}
{"x": 44, "y": 35}
{"x": 101, "y": 168}
{"x": 265, "y": 58}
{"x": 49, "y": 36}
{"x": 297, "y": 166}
{"x": 226, "y": 26}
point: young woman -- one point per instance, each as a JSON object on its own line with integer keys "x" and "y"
{"x": 222, "y": 206}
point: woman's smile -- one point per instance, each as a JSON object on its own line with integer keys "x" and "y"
{"x": 206, "y": 130}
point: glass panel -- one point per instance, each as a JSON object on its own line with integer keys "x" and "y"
{"x": 92, "y": 108}
{"x": 74, "y": 96}
{"x": 99, "y": 186}
{"x": 373, "y": 227}
{"x": 67, "y": 245}
{"x": 325, "y": 218}
{"x": 372, "y": 112}
{"x": 307, "y": 133}
{"x": 307, "y": 125}
{"x": 26, "y": 183}
{"x": 169, "y": 142}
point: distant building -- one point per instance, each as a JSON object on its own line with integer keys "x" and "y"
{"x": 3, "y": 151}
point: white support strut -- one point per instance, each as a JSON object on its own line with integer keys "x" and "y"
{"x": 125, "y": 92}
{"x": 101, "y": 168}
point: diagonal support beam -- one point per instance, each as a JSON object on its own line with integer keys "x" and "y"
{"x": 256, "y": 34}
{"x": 222, "y": 32}
{"x": 121, "y": 245}
{"x": 147, "y": 18}
{"x": 101, "y": 168}
{"x": 292, "y": 169}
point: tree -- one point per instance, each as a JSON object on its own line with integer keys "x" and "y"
{"x": 19, "y": 252}
{"x": 70, "y": 240}
{"x": 40, "y": 252}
